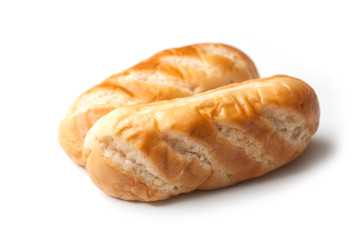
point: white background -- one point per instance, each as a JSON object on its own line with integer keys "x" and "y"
{"x": 50, "y": 52}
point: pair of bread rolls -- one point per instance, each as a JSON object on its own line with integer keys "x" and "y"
{"x": 149, "y": 150}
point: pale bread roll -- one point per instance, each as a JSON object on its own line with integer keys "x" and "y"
{"x": 215, "y": 139}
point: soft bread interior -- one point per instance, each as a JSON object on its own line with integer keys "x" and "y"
{"x": 156, "y": 78}
{"x": 97, "y": 98}
{"x": 132, "y": 161}
{"x": 288, "y": 124}
{"x": 224, "y": 52}
{"x": 186, "y": 62}
{"x": 188, "y": 149}
{"x": 242, "y": 139}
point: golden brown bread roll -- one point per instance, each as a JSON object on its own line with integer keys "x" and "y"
{"x": 153, "y": 151}
{"x": 172, "y": 73}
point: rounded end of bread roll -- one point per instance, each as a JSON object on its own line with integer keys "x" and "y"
{"x": 116, "y": 182}
{"x": 70, "y": 142}
{"x": 105, "y": 172}
{"x": 72, "y": 132}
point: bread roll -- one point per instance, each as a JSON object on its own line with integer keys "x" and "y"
{"x": 168, "y": 74}
{"x": 215, "y": 139}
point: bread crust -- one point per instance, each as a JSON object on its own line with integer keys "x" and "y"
{"x": 169, "y": 74}
{"x": 150, "y": 152}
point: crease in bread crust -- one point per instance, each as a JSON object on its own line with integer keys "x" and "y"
{"x": 188, "y": 149}
{"x": 185, "y": 62}
{"x": 288, "y": 124}
{"x": 156, "y": 78}
{"x": 243, "y": 140}
{"x": 101, "y": 97}
{"x": 224, "y": 52}
{"x": 130, "y": 160}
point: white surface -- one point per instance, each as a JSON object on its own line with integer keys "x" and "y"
{"x": 52, "y": 52}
